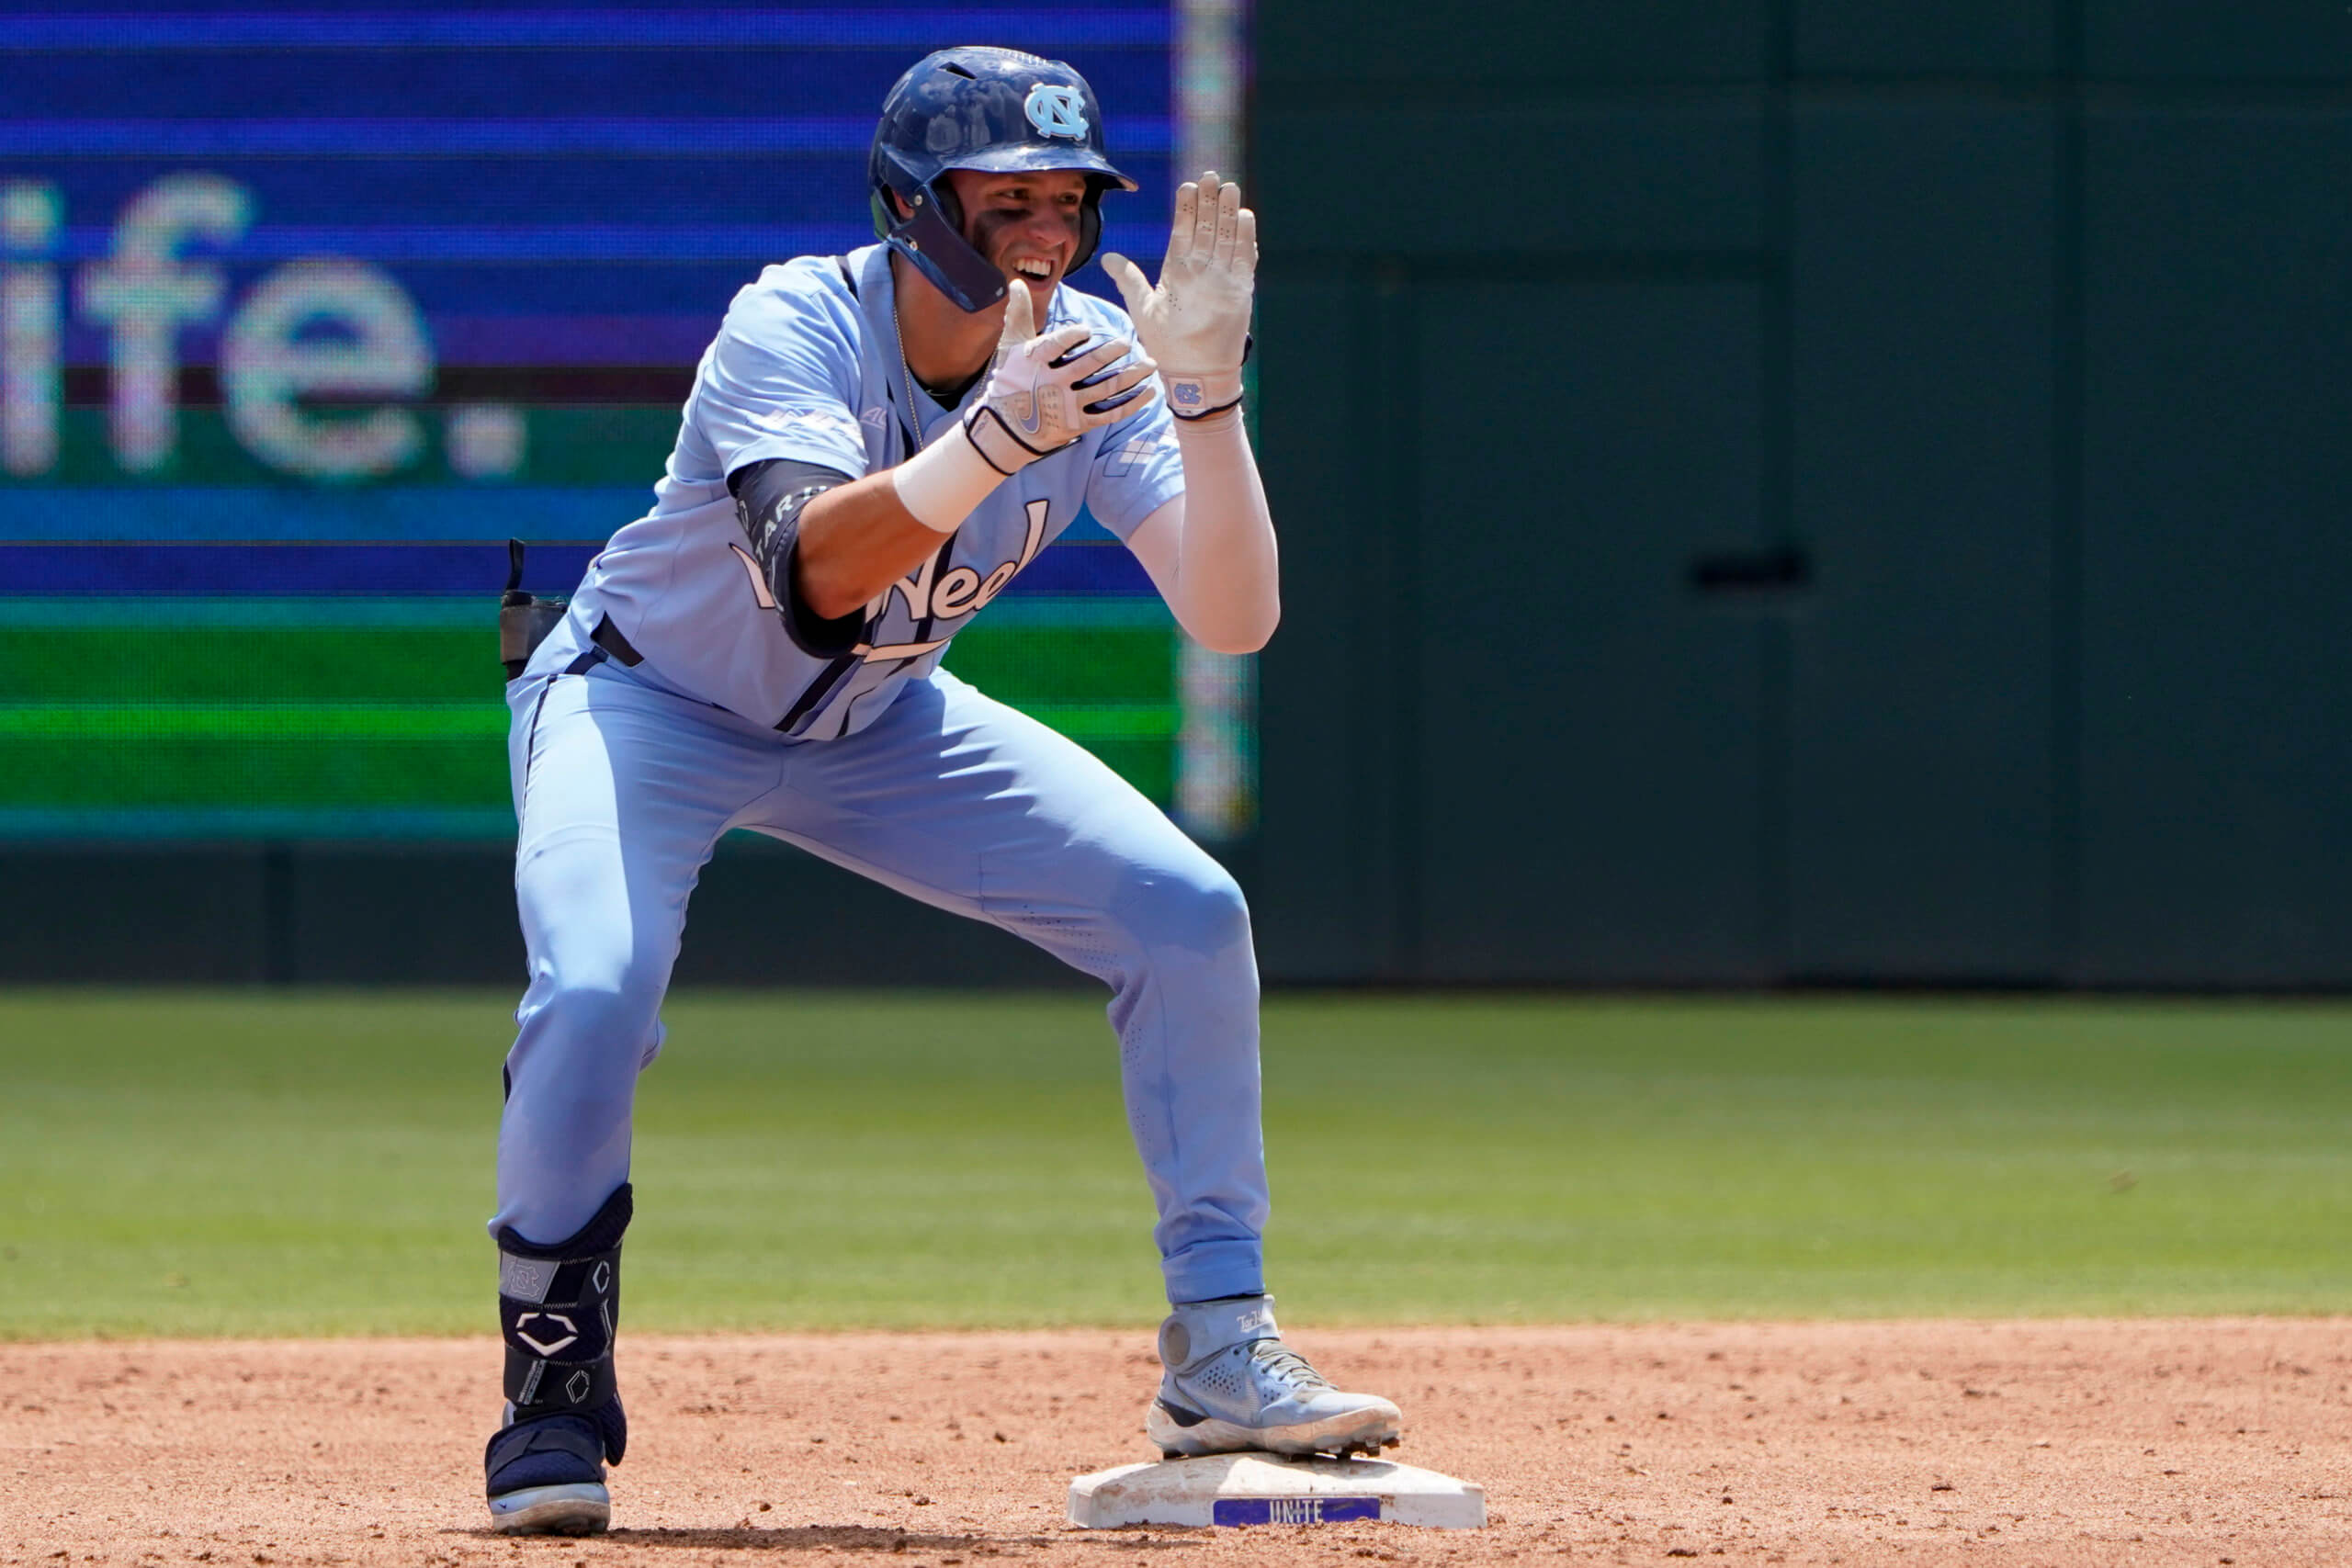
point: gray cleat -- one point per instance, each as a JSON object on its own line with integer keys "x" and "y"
{"x": 1231, "y": 1385}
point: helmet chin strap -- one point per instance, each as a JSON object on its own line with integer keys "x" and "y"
{"x": 932, "y": 236}
{"x": 928, "y": 238}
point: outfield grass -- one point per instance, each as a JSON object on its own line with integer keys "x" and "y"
{"x": 265, "y": 1162}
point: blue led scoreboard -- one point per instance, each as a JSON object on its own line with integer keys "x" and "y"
{"x": 304, "y": 311}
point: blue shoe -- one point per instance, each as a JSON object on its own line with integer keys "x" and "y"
{"x": 1231, "y": 1386}
{"x": 547, "y": 1477}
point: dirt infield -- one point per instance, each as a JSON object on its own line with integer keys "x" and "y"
{"x": 2208, "y": 1442}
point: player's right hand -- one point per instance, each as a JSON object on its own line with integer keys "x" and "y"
{"x": 1044, "y": 392}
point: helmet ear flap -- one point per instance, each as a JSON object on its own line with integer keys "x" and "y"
{"x": 943, "y": 195}
{"x": 910, "y": 189}
{"x": 932, "y": 237}
{"x": 1090, "y": 225}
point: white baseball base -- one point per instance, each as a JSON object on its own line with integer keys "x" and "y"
{"x": 1270, "y": 1489}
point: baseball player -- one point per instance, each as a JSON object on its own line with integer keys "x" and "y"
{"x": 875, "y": 445}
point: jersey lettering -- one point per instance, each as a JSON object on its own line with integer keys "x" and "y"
{"x": 930, "y": 595}
{"x": 915, "y": 587}
{"x": 953, "y": 595}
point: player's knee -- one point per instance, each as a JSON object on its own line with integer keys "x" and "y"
{"x": 611, "y": 1005}
{"x": 1199, "y": 911}
{"x": 574, "y": 1067}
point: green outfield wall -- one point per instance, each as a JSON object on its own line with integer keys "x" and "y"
{"x": 1814, "y": 491}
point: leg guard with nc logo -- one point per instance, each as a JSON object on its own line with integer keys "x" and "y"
{"x": 557, "y": 1309}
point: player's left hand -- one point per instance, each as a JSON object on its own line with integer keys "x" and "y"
{"x": 1196, "y": 322}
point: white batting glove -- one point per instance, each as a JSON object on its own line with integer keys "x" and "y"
{"x": 1042, "y": 395}
{"x": 1196, "y": 323}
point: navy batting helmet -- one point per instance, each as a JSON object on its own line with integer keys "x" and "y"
{"x": 996, "y": 110}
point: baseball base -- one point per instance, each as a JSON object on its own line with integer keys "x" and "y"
{"x": 1270, "y": 1489}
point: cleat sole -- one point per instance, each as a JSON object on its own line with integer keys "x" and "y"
{"x": 1366, "y": 1431}
{"x": 576, "y": 1508}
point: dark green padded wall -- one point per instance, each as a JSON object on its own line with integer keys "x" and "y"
{"x": 2246, "y": 42}
{"x": 1485, "y": 479}
{"x": 2217, "y": 366}
{"x": 1922, "y": 747}
{"x": 1566, "y": 676}
{"x": 1925, "y": 39}
{"x": 1357, "y": 54}
{"x": 2217, "y": 548}
{"x": 2003, "y": 351}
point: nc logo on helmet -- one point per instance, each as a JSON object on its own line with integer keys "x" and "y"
{"x": 1056, "y": 111}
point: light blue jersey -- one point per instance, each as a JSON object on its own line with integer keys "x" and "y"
{"x": 807, "y": 367}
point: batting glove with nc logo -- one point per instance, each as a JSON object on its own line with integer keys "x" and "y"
{"x": 1196, "y": 323}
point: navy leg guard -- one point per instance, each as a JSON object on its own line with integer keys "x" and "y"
{"x": 559, "y": 1307}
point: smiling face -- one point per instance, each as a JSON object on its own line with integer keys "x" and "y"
{"x": 1025, "y": 223}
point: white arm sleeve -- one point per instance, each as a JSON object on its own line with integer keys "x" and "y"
{"x": 1211, "y": 550}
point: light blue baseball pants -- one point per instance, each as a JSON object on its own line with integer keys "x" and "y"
{"x": 623, "y": 787}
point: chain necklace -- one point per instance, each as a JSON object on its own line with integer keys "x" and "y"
{"x": 907, "y": 371}
{"x": 914, "y": 410}
{"x": 914, "y": 421}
